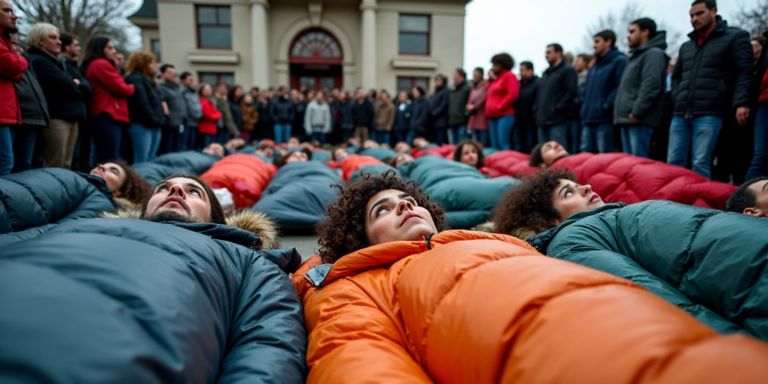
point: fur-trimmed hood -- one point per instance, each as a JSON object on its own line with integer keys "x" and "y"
{"x": 256, "y": 223}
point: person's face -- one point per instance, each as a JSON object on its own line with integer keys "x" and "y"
{"x": 477, "y": 76}
{"x": 152, "y": 68}
{"x": 402, "y": 159}
{"x": 601, "y": 45}
{"x": 189, "y": 81}
{"x": 255, "y": 94}
{"x": 552, "y": 56}
{"x": 319, "y": 97}
{"x": 757, "y": 49}
{"x": 439, "y": 82}
{"x": 238, "y": 93}
{"x": 636, "y": 36}
{"x": 402, "y": 97}
{"x": 268, "y": 152}
{"x": 179, "y": 199}
{"x": 551, "y": 151}
{"x": 420, "y": 142}
{"x": 293, "y": 142}
{"x": 392, "y": 215}
{"x": 51, "y": 43}
{"x": 497, "y": 69}
{"x": 370, "y": 144}
{"x": 340, "y": 154}
{"x": 297, "y": 156}
{"x": 73, "y": 49}
{"x": 235, "y": 144}
{"x": 701, "y": 17}
{"x": 360, "y": 93}
{"x": 342, "y": 97}
{"x": 580, "y": 64}
{"x": 294, "y": 94}
{"x": 283, "y": 92}
{"x": 247, "y": 99}
{"x": 525, "y": 72}
{"x": 221, "y": 90}
{"x": 415, "y": 92}
{"x": 15, "y": 44}
{"x": 112, "y": 174}
{"x": 760, "y": 189}
{"x": 570, "y": 198}
{"x": 215, "y": 149}
{"x": 469, "y": 155}
{"x": 384, "y": 97}
{"x": 111, "y": 55}
{"x": 7, "y": 16}
{"x": 457, "y": 78}
{"x": 206, "y": 92}
{"x": 119, "y": 57}
{"x": 402, "y": 147}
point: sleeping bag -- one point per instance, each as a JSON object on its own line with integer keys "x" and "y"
{"x": 190, "y": 162}
{"x": 352, "y": 163}
{"x": 711, "y": 263}
{"x": 297, "y": 196}
{"x": 467, "y": 196}
{"x": 379, "y": 153}
{"x": 245, "y": 176}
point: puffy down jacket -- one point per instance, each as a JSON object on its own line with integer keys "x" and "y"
{"x": 431, "y": 311}
{"x": 456, "y": 187}
{"x": 621, "y": 177}
{"x": 131, "y": 301}
{"x": 352, "y": 163}
{"x": 298, "y": 194}
{"x": 379, "y": 153}
{"x": 38, "y": 197}
{"x": 442, "y": 151}
{"x": 373, "y": 170}
{"x": 245, "y": 176}
{"x": 710, "y": 263}
{"x": 166, "y": 165}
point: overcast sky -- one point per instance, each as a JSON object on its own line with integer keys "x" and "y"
{"x": 523, "y": 28}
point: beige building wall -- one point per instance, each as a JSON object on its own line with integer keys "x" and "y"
{"x": 288, "y": 18}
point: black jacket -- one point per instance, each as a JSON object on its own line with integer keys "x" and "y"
{"x": 714, "y": 78}
{"x": 362, "y": 114}
{"x": 237, "y": 114}
{"x": 177, "y": 106}
{"x": 282, "y": 110}
{"x": 641, "y": 92}
{"x": 85, "y": 86}
{"x": 438, "y": 107}
{"x": 557, "y": 89}
{"x": 420, "y": 116}
{"x": 34, "y": 109}
{"x": 524, "y": 104}
{"x": 345, "y": 115}
{"x": 403, "y": 114}
{"x": 145, "y": 106}
{"x": 65, "y": 98}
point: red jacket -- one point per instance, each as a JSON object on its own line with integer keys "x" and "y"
{"x": 110, "y": 92}
{"x": 441, "y": 151}
{"x": 245, "y": 176}
{"x": 764, "y": 89}
{"x": 211, "y": 116}
{"x": 502, "y": 94}
{"x": 12, "y": 67}
{"x": 352, "y": 163}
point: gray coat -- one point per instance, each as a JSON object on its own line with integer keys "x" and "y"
{"x": 34, "y": 109}
{"x": 641, "y": 92}
{"x": 194, "y": 110}
{"x": 177, "y": 108}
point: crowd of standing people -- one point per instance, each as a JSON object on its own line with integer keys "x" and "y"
{"x": 64, "y": 108}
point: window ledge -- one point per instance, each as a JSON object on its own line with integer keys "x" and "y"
{"x": 414, "y": 63}
{"x": 213, "y": 56}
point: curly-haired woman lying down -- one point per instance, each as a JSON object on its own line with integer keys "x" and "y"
{"x": 704, "y": 261}
{"x": 395, "y": 299}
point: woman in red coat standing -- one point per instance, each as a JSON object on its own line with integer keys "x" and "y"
{"x": 12, "y": 67}
{"x": 108, "y": 108}
{"x": 503, "y": 90}
{"x": 211, "y": 115}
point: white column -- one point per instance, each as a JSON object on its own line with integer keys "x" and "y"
{"x": 368, "y": 49}
{"x": 259, "y": 43}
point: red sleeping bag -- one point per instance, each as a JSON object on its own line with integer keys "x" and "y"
{"x": 442, "y": 151}
{"x": 621, "y": 177}
{"x": 352, "y": 163}
{"x": 245, "y": 176}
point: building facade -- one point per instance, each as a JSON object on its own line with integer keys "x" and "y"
{"x": 336, "y": 44}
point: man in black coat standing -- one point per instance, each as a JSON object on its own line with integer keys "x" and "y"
{"x": 525, "y": 130}
{"x": 362, "y": 115}
{"x": 438, "y": 104}
{"x": 173, "y": 125}
{"x": 710, "y": 83}
{"x": 556, "y": 91}
{"x": 70, "y": 54}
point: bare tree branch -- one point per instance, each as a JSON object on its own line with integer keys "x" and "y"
{"x": 753, "y": 20}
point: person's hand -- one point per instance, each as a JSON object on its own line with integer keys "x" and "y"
{"x": 165, "y": 107}
{"x": 77, "y": 81}
{"x": 633, "y": 118}
{"x": 491, "y": 75}
{"x": 742, "y": 115}
{"x": 470, "y": 107}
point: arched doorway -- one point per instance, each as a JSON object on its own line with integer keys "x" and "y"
{"x": 316, "y": 58}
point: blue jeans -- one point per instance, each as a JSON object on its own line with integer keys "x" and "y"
{"x": 759, "y": 166}
{"x": 6, "y": 150}
{"x": 23, "y": 138}
{"x": 439, "y": 136}
{"x": 319, "y": 136}
{"x": 171, "y": 140}
{"x": 145, "y": 142}
{"x": 558, "y": 133}
{"x": 107, "y": 138}
{"x": 282, "y": 133}
{"x": 702, "y": 132}
{"x": 401, "y": 136}
{"x": 481, "y": 136}
{"x": 636, "y": 139}
{"x": 205, "y": 140}
{"x": 383, "y": 137}
{"x": 189, "y": 141}
{"x": 598, "y": 136}
{"x": 458, "y": 133}
{"x": 500, "y": 130}
{"x": 222, "y": 136}
{"x": 524, "y": 138}
{"x": 575, "y": 131}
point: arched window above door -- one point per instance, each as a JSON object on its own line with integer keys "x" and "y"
{"x": 316, "y": 46}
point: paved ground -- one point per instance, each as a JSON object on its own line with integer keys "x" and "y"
{"x": 306, "y": 245}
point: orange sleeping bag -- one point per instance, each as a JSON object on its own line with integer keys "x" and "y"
{"x": 470, "y": 307}
{"x": 352, "y": 163}
{"x": 245, "y": 176}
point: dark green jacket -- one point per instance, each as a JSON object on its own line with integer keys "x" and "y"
{"x": 457, "y": 104}
{"x": 710, "y": 263}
